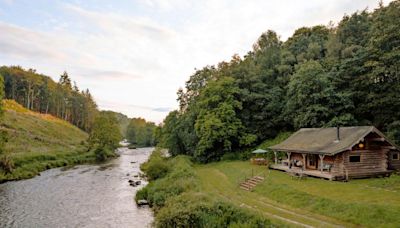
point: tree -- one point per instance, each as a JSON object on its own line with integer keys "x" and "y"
{"x": 321, "y": 76}
{"x": 40, "y": 93}
{"x": 218, "y": 127}
{"x": 105, "y": 135}
{"x": 140, "y": 132}
{"x": 6, "y": 162}
{"x": 312, "y": 100}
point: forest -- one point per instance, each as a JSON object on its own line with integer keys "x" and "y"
{"x": 139, "y": 132}
{"x": 40, "y": 93}
{"x": 335, "y": 75}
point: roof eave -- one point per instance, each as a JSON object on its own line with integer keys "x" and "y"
{"x": 308, "y": 152}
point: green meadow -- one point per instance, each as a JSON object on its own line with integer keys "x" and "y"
{"x": 37, "y": 142}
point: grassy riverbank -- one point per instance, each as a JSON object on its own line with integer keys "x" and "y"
{"x": 183, "y": 193}
{"x": 176, "y": 197}
{"x": 37, "y": 142}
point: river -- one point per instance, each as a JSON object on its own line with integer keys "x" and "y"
{"x": 82, "y": 196}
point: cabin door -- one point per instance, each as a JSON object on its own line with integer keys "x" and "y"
{"x": 312, "y": 161}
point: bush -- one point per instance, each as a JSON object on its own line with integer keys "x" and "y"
{"x": 178, "y": 177}
{"x": 199, "y": 210}
{"x": 156, "y": 167}
{"x": 6, "y": 163}
{"x": 102, "y": 153}
{"x": 231, "y": 157}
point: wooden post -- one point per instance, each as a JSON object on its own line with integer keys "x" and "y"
{"x": 321, "y": 157}
{"x": 276, "y": 157}
{"x": 304, "y": 161}
{"x": 288, "y": 159}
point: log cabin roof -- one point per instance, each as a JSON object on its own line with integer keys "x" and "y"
{"x": 324, "y": 140}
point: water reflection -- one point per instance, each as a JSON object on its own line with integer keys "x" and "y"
{"x": 83, "y": 196}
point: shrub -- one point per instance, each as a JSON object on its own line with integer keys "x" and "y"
{"x": 156, "y": 168}
{"x": 6, "y": 163}
{"x": 178, "y": 178}
{"x": 231, "y": 156}
{"x": 200, "y": 210}
{"x": 102, "y": 153}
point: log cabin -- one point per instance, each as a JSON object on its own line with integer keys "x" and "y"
{"x": 337, "y": 153}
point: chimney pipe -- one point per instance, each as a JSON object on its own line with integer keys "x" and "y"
{"x": 338, "y": 133}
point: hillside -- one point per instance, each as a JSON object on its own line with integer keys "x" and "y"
{"x": 33, "y": 132}
{"x": 38, "y": 141}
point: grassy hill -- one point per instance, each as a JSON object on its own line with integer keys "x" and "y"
{"x": 39, "y": 141}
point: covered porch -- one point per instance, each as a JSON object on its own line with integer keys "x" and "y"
{"x": 305, "y": 164}
{"x": 300, "y": 172}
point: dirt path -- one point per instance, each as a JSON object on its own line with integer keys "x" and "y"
{"x": 221, "y": 186}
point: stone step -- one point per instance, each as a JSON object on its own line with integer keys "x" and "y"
{"x": 254, "y": 181}
{"x": 247, "y": 185}
{"x": 251, "y": 183}
{"x": 258, "y": 178}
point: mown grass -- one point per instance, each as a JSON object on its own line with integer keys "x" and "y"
{"x": 368, "y": 202}
{"x": 37, "y": 142}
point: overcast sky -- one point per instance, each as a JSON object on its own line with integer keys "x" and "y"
{"x": 133, "y": 55}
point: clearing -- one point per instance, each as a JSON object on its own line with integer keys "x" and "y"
{"x": 310, "y": 202}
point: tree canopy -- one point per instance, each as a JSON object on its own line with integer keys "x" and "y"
{"x": 40, "y": 93}
{"x": 321, "y": 76}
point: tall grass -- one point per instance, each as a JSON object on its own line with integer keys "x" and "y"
{"x": 31, "y": 164}
{"x": 37, "y": 142}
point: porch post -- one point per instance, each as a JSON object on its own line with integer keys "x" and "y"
{"x": 288, "y": 158}
{"x": 304, "y": 161}
{"x": 276, "y": 158}
{"x": 321, "y": 157}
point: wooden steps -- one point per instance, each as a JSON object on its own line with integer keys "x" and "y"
{"x": 251, "y": 183}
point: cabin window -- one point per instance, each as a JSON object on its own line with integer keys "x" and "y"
{"x": 395, "y": 156}
{"x": 355, "y": 158}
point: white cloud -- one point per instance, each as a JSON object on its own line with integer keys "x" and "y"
{"x": 134, "y": 64}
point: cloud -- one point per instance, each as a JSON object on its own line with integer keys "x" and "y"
{"x": 107, "y": 74}
{"x": 142, "y": 58}
{"x": 24, "y": 43}
{"x": 162, "y": 109}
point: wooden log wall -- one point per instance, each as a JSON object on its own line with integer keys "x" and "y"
{"x": 371, "y": 162}
{"x": 394, "y": 164}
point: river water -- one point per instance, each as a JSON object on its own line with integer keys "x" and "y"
{"x": 82, "y": 196}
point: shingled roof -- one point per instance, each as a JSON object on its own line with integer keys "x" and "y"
{"x": 324, "y": 140}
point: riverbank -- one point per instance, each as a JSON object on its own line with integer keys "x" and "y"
{"x": 28, "y": 165}
{"x": 175, "y": 194}
{"x": 281, "y": 200}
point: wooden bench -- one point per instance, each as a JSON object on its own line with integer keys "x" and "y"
{"x": 298, "y": 175}
{"x": 327, "y": 167}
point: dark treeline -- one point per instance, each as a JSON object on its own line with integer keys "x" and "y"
{"x": 137, "y": 131}
{"x": 321, "y": 76}
{"x": 140, "y": 132}
{"x": 40, "y": 93}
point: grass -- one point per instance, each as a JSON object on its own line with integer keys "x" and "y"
{"x": 175, "y": 197}
{"x": 368, "y": 202}
{"x": 284, "y": 201}
{"x": 37, "y": 142}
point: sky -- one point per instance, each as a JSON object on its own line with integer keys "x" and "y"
{"x": 134, "y": 55}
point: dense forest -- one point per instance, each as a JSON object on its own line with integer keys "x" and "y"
{"x": 40, "y": 93}
{"x": 140, "y": 132}
{"x": 335, "y": 75}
